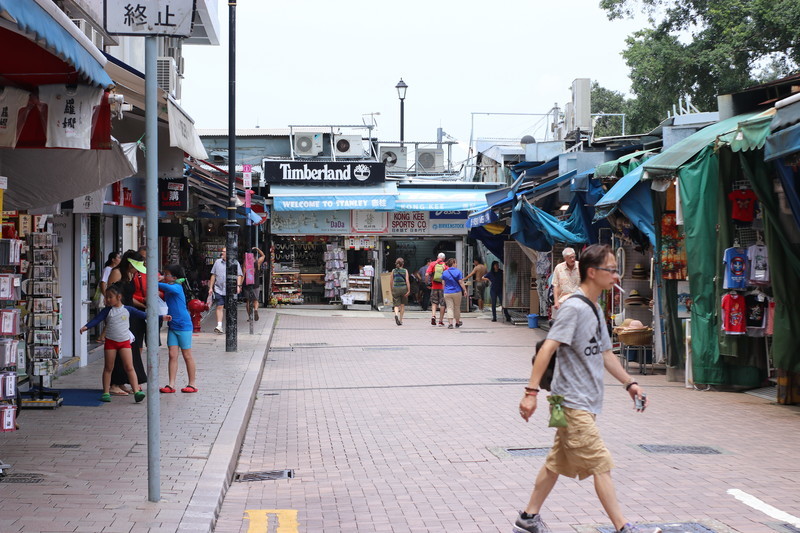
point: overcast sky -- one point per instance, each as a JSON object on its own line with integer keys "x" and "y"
{"x": 325, "y": 62}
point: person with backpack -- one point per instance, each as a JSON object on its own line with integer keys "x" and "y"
{"x": 434, "y": 275}
{"x": 580, "y": 337}
{"x": 401, "y": 288}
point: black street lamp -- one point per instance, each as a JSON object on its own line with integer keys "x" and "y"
{"x": 401, "y": 92}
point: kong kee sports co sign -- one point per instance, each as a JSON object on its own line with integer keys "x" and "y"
{"x": 324, "y": 172}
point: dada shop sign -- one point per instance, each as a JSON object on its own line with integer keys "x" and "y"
{"x": 322, "y": 173}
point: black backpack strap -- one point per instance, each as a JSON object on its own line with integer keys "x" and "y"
{"x": 593, "y": 306}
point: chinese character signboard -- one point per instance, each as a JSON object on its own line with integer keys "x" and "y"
{"x": 149, "y": 17}
{"x": 89, "y": 203}
{"x": 173, "y": 194}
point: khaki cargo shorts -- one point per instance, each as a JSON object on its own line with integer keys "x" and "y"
{"x": 578, "y": 450}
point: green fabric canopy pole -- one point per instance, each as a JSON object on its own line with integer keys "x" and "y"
{"x": 698, "y": 185}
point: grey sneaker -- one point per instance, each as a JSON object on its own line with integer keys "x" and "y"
{"x": 218, "y": 331}
{"x": 530, "y": 525}
{"x": 628, "y": 528}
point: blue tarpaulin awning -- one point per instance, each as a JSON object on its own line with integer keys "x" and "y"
{"x": 419, "y": 199}
{"x": 538, "y": 229}
{"x": 542, "y": 169}
{"x": 307, "y": 198}
{"x": 633, "y": 197}
{"x": 42, "y": 28}
{"x": 782, "y": 143}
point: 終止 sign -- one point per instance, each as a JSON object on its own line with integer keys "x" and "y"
{"x": 324, "y": 172}
{"x": 149, "y": 17}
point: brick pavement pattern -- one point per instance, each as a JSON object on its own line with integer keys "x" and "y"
{"x": 102, "y": 485}
{"x": 400, "y": 429}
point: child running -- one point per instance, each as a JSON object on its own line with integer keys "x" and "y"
{"x": 179, "y": 337}
{"x": 118, "y": 339}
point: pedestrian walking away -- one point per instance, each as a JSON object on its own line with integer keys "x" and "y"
{"x": 252, "y": 289}
{"x": 401, "y": 287}
{"x": 454, "y": 288}
{"x": 179, "y": 334}
{"x": 434, "y": 276}
{"x": 218, "y": 287}
{"x": 580, "y": 337}
{"x": 478, "y": 271}
{"x": 118, "y": 339}
{"x": 495, "y": 279}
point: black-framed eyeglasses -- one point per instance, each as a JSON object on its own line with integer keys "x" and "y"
{"x": 611, "y": 270}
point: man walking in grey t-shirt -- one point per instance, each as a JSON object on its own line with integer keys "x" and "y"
{"x": 584, "y": 350}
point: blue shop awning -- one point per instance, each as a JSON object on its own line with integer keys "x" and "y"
{"x": 782, "y": 143}
{"x": 48, "y": 31}
{"x": 632, "y": 196}
{"x": 482, "y": 217}
{"x": 542, "y": 169}
{"x": 301, "y": 198}
{"x": 411, "y": 199}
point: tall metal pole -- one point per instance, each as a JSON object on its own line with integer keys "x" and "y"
{"x": 151, "y": 264}
{"x": 232, "y": 228}
{"x": 402, "y": 120}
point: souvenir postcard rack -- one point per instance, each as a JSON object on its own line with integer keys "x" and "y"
{"x": 10, "y": 297}
{"x": 42, "y": 321}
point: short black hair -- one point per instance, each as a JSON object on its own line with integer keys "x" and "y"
{"x": 116, "y": 288}
{"x": 176, "y": 270}
{"x": 593, "y": 256}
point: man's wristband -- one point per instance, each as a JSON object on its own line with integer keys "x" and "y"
{"x": 531, "y": 389}
{"x": 628, "y": 384}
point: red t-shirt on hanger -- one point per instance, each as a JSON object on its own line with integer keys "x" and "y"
{"x": 743, "y": 204}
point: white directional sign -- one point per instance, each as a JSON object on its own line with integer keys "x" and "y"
{"x": 149, "y": 17}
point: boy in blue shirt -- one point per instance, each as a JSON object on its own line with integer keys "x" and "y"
{"x": 179, "y": 337}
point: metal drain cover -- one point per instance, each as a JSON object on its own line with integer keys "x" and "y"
{"x": 679, "y": 449}
{"x": 68, "y": 446}
{"x": 673, "y": 527}
{"x": 471, "y": 331}
{"x": 528, "y": 452}
{"x": 20, "y": 477}
{"x": 265, "y": 475}
{"x": 309, "y": 344}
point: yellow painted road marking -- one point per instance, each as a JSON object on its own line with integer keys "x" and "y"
{"x": 286, "y": 520}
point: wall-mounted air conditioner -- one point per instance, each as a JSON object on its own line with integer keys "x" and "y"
{"x": 395, "y": 158}
{"x": 167, "y": 75}
{"x": 430, "y": 160}
{"x": 307, "y": 144}
{"x": 348, "y": 146}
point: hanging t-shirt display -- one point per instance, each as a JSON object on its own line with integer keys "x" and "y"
{"x": 755, "y": 317}
{"x": 673, "y": 251}
{"x": 11, "y": 101}
{"x": 735, "y": 260}
{"x": 733, "y": 314}
{"x": 69, "y": 114}
{"x": 758, "y": 265}
{"x": 743, "y": 204}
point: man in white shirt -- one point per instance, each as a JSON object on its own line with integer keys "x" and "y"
{"x": 566, "y": 278}
{"x": 217, "y": 291}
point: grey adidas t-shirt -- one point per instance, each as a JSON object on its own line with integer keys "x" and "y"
{"x": 579, "y": 369}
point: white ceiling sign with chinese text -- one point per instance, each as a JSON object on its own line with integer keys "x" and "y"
{"x": 149, "y": 17}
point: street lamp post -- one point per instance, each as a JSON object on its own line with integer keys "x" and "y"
{"x": 401, "y": 92}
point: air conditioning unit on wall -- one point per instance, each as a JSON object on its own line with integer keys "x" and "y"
{"x": 307, "y": 144}
{"x": 395, "y": 158}
{"x": 348, "y": 146}
{"x": 430, "y": 160}
{"x": 167, "y": 75}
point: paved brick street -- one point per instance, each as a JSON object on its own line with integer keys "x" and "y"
{"x": 386, "y": 428}
{"x": 401, "y": 429}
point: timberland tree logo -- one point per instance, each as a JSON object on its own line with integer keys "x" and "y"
{"x": 361, "y": 172}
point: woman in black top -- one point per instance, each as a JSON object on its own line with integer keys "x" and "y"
{"x": 495, "y": 278}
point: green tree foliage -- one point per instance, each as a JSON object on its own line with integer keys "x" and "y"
{"x": 701, "y": 48}
{"x": 608, "y": 101}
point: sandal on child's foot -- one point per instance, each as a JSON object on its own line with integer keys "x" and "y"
{"x": 189, "y": 388}
{"x": 138, "y": 396}
{"x": 106, "y": 397}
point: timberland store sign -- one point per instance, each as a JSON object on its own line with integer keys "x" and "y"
{"x": 324, "y": 172}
